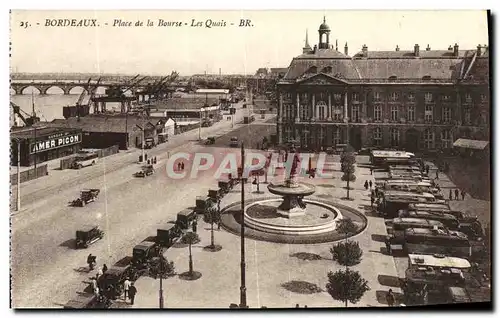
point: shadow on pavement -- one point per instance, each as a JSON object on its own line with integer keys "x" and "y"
{"x": 125, "y": 261}
{"x": 378, "y": 238}
{"x": 301, "y": 287}
{"x": 390, "y": 281}
{"x": 382, "y": 294}
{"x": 305, "y": 256}
{"x": 71, "y": 243}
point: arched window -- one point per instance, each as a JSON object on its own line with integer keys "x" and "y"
{"x": 321, "y": 109}
{"x": 446, "y": 139}
{"x": 377, "y": 137}
{"x": 429, "y": 139}
{"x": 426, "y": 78}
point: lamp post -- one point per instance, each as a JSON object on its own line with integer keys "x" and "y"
{"x": 161, "y": 279}
{"x": 243, "y": 289}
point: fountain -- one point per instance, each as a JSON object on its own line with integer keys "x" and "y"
{"x": 292, "y": 192}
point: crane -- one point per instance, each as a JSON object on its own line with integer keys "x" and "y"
{"x": 29, "y": 120}
{"x": 80, "y": 99}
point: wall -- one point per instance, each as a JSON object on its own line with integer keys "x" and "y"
{"x": 67, "y": 163}
{"x": 30, "y": 174}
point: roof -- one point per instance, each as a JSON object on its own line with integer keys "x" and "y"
{"x": 432, "y": 260}
{"x": 470, "y": 144}
{"x": 417, "y": 221}
{"x": 117, "y": 124}
{"x": 424, "y": 214}
{"x": 431, "y": 66}
{"x": 212, "y": 91}
{"x": 167, "y": 227}
{"x": 144, "y": 244}
{"x": 31, "y": 132}
{"x": 391, "y": 154}
{"x": 86, "y": 228}
{"x": 432, "y": 205}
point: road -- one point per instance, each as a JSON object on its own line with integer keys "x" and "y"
{"x": 45, "y": 266}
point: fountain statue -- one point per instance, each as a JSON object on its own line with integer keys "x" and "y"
{"x": 292, "y": 192}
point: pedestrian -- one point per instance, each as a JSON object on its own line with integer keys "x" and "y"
{"x": 131, "y": 293}
{"x": 297, "y": 306}
{"x": 437, "y": 174}
{"x": 104, "y": 268}
{"x": 194, "y": 225}
{"x": 305, "y": 306}
{"x": 178, "y": 166}
{"x": 463, "y": 195}
{"x": 96, "y": 291}
{"x": 456, "y": 194}
{"x": 366, "y": 184}
{"x": 427, "y": 169}
{"x": 126, "y": 287}
{"x": 370, "y": 183}
{"x": 99, "y": 273}
{"x": 371, "y": 170}
{"x": 372, "y": 199}
{"x": 451, "y": 195}
{"x": 388, "y": 246}
{"x": 390, "y": 298}
{"x": 182, "y": 165}
{"x": 93, "y": 283}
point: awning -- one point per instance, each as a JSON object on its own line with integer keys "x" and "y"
{"x": 470, "y": 144}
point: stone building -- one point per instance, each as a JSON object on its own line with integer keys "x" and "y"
{"x": 420, "y": 99}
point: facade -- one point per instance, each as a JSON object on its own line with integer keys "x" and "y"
{"x": 419, "y": 100}
{"x": 40, "y": 144}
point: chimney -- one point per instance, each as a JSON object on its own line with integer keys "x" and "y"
{"x": 365, "y": 50}
{"x": 428, "y": 48}
{"x": 346, "y": 49}
{"x": 416, "y": 50}
{"x": 455, "y": 50}
{"x": 397, "y": 48}
{"x": 450, "y": 48}
{"x": 479, "y": 48}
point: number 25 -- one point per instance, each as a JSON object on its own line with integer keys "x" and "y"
{"x": 24, "y": 24}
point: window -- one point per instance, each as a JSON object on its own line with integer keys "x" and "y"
{"x": 288, "y": 133}
{"x": 394, "y": 113}
{"x": 321, "y": 110}
{"x": 336, "y": 136}
{"x": 411, "y": 97}
{"x": 411, "y": 113}
{"x": 446, "y": 139}
{"x": 394, "y": 96}
{"x": 288, "y": 111}
{"x": 355, "y": 97}
{"x": 446, "y": 114}
{"x": 377, "y": 137}
{"x": 393, "y": 78}
{"x": 445, "y": 98}
{"x": 337, "y": 113}
{"x": 377, "y": 112}
{"x": 429, "y": 115}
{"x": 355, "y": 113}
{"x": 468, "y": 98}
{"x": 428, "y": 97}
{"x": 312, "y": 69}
{"x": 483, "y": 98}
{"x": 394, "y": 133}
{"x": 304, "y": 98}
{"x": 305, "y": 111}
{"x": 426, "y": 78}
{"x": 429, "y": 139}
{"x": 376, "y": 96}
{"x": 467, "y": 116}
{"x": 304, "y": 138}
{"x": 327, "y": 69}
{"x": 337, "y": 97}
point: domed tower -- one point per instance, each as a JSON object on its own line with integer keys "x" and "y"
{"x": 324, "y": 29}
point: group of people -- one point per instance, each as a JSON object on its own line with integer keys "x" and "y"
{"x": 457, "y": 193}
{"x": 180, "y": 166}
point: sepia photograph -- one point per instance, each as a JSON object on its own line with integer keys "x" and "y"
{"x": 262, "y": 159}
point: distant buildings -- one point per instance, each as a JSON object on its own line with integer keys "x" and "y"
{"x": 419, "y": 99}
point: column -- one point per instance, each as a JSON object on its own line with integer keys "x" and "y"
{"x": 329, "y": 109}
{"x": 280, "y": 115}
{"x": 315, "y": 112}
{"x": 297, "y": 116}
{"x": 346, "y": 113}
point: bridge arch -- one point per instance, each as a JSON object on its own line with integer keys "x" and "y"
{"x": 54, "y": 90}
{"x": 25, "y": 90}
{"x": 76, "y": 90}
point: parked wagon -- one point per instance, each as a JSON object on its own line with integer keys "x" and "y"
{"x": 88, "y": 235}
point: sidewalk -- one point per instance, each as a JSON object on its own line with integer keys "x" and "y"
{"x": 270, "y": 265}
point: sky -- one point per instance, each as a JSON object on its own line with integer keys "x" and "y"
{"x": 272, "y": 40}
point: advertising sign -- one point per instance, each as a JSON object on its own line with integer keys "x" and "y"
{"x": 55, "y": 141}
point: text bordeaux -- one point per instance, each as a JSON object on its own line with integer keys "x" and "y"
{"x": 71, "y": 22}
{"x": 55, "y": 143}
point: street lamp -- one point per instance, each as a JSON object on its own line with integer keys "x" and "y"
{"x": 161, "y": 279}
{"x": 243, "y": 289}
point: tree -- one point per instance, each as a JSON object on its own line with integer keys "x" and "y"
{"x": 190, "y": 238}
{"x": 160, "y": 266}
{"x": 212, "y": 215}
{"x": 346, "y": 286}
{"x": 348, "y": 253}
{"x": 347, "y": 160}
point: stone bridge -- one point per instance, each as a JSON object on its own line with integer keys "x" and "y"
{"x": 66, "y": 87}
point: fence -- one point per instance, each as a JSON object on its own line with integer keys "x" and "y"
{"x": 67, "y": 163}
{"x": 30, "y": 174}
